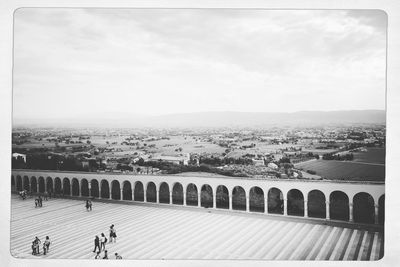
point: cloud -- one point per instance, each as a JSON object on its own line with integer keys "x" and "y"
{"x": 155, "y": 61}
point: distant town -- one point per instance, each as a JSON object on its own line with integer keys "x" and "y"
{"x": 337, "y": 152}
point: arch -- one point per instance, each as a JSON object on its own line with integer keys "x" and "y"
{"x": 66, "y": 187}
{"x": 126, "y": 190}
{"x": 151, "y": 192}
{"x": 339, "y": 206}
{"x": 363, "y": 208}
{"x": 75, "y": 187}
{"x": 33, "y": 184}
{"x": 57, "y": 186}
{"x": 316, "y": 204}
{"x": 26, "y": 184}
{"x": 295, "y": 202}
{"x": 222, "y": 197}
{"x": 256, "y": 202}
{"x": 94, "y": 188}
{"x": 164, "y": 193}
{"x": 206, "y": 196}
{"x": 238, "y": 198}
{"x": 138, "y": 193}
{"x": 13, "y": 183}
{"x": 191, "y": 195}
{"x": 49, "y": 183}
{"x": 177, "y": 194}
{"x": 42, "y": 187}
{"x": 115, "y": 190}
{"x": 19, "y": 183}
{"x": 275, "y": 201}
{"x": 84, "y": 188}
{"x": 104, "y": 189}
{"x": 381, "y": 210}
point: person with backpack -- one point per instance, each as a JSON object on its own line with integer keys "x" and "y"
{"x": 113, "y": 234}
{"x": 46, "y": 245}
{"x": 36, "y": 244}
{"x": 96, "y": 244}
{"x": 103, "y": 241}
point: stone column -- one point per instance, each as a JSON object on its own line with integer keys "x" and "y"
{"x": 214, "y": 201}
{"x": 157, "y": 196}
{"x": 80, "y": 188}
{"x": 45, "y": 186}
{"x": 376, "y": 213}
{"x": 37, "y": 186}
{"x": 285, "y": 206}
{"x": 199, "y": 199}
{"x": 305, "y": 208}
{"x": 230, "y": 202}
{"x": 121, "y": 197}
{"x": 184, "y": 198}
{"x": 170, "y": 198}
{"x": 109, "y": 193}
{"x": 247, "y": 203}
{"x": 351, "y": 212}
{"x": 266, "y": 204}
{"x": 328, "y": 216}
{"x": 144, "y": 196}
{"x": 90, "y": 188}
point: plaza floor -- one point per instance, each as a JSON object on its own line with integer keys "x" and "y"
{"x": 151, "y": 232}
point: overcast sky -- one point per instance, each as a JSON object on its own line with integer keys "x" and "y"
{"x": 78, "y": 62}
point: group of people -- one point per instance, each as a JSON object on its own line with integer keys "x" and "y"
{"x": 36, "y": 246}
{"x": 23, "y": 194}
{"x": 38, "y": 201}
{"x": 88, "y": 205}
{"x": 100, "y": 243}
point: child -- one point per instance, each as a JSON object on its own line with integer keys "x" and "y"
{"x": 117, "y": 257}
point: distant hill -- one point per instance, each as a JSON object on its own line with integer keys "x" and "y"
{"x": 218, "y": 119}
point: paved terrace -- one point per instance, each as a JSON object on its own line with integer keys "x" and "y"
{"x": 154, "y": 231}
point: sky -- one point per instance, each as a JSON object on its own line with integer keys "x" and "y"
{"x": 91, "y": 62}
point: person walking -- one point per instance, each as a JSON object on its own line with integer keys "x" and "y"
{"x": 87, "y": 205}
{"x": 113, "y": 234}
{"x": 117, "y": 257}
{"x": 103, "y": 241}
{"x": 97, "y": 257}
{"x": 37, "y": 245}
{"x": 90, "y": 205}
{"x": 36, "y": 202}
{"x": 96, "y": 244}
{"x": 40, "y": 201}
{"x": 46, "y": 245}
{"x": 105, "y": 255}
{"x": 45, "y": 195}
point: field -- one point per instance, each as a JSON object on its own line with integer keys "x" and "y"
{"x": 373, "y": 155}
{"x": 345, "y": 170}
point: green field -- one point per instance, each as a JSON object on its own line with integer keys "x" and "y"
{"x": 345, "y": 170}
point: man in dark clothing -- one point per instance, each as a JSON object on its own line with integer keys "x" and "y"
{"x": 96, "y": 244}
